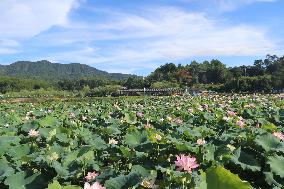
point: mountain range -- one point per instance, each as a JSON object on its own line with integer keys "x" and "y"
{"x": 53, "y": 71}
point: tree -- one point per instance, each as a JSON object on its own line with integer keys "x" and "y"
{"x": 135, "y": 83}
{"x": 236, "y": 72}
{"x": 163, "y": 85}
{"x": 278, "y": 74}
{"x": 216, "y": 72}
{"x": 195, "y": 70}
{"x": 183, "y": 76}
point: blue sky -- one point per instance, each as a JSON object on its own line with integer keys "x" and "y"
{"x": 137, "y": 36}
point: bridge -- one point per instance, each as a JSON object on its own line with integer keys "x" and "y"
{"x": 166, "y": 91}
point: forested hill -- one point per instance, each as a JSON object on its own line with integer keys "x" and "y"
{"x": 47, "y": 70}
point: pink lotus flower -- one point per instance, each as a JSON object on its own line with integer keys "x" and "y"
{"x": 72, "y": 115}
{"x": 96, "y": 185}
{"x": 91, "y": 175}
{"x": 231, "y": 113}
{"x": 205, "y": 106}
{"x": 186, "y": 163}
{"x": 257, "y": 125}
{"x": 241, "y": 123}
{"x": 139, "y": 114}
{"x": 278, "y": 135}
{"x": 178, "y": 121}
{"x": 148, "y": 126}
{"x": 149, "y": 184}
{"x": 240, "y": 118}
{"x": 201, "y": 141}
{"x": 251, "y": 105}
{"x": 225, "y": 118}
{"x": 158, "y": 137}
{"x": 190, "y": 110}
{"x": 117, "y": 106}
{"x": 222, "y": 105}
{"x": 200, "y": 108}
{"x": 112, "y": 141}
{"x": 33, "y": 133}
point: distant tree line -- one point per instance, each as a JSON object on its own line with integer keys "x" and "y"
{"x": 264, "y": 75}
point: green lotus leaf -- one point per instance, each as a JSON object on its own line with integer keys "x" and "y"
{"x": 269, "y": 126}
{"x": 48, "y": 121}
{"x": 209, "y": 151}
{"x": 245, "y": 160}
{"x": 86, "y": 157}
{"x": 123, "y": 181}
{"x": 135, "y": 139}
{"x": 271, "y": 180}
{"x": 222, "y": 153}
{"x": 218, "y": 177}
{"x": 19, "y": 151}
{"x": 98, "y": 143}
{"x": 7, "y": 140}
{"x": 269, "y": 143}
{"x": 140, "y": 170}
{"x": 5, "y": 169}
{"x": 61, "y": 171}
{"x": 56, "y": 185}
{"x": 27, "y": 126}
{"x": 208, "y": 116}
{"x": 71, "y": 187}
{"x": 130, "y": 118}
{"x": 62, "y": 137}
{"x": 203, "y": 183}
{"x": 113, "y": 130}
{"x": 277, "y": 165}
{"x": 69, "y": 158}
{"x": 20, "y": 180}
{"x": 44, "y": 132}
{"x": 281, "y": 115}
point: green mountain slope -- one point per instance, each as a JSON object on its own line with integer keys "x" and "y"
{"x": 47, "y": 70}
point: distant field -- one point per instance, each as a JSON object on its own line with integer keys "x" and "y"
{"x": 204, "y": 142}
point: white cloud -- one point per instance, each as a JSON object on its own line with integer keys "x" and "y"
{"x": 9, "y": 43}
{"x": 26, "y": 18}
{"x": 220, "y": 6}
{"x": 83, "y": 55}
{"x": 8, "y": 51}
{"x": 229, "y": 5}
{"x": 8, "y": 46}
{"x": 171, "y": 34}
{"x": 127, "y": 41}
{"x": 162, "y": 34}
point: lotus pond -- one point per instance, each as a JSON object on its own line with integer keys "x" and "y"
{"x": 204, "y": 142}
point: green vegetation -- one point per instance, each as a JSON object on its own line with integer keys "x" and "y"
{"x": 204, "y": 142}
{"x": 264, "y": 76}
{"x": 45, "y": 70}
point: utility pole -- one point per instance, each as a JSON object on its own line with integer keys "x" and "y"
{"x": 144, "y": 89}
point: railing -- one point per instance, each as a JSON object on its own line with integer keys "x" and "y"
{"x": 166, "y": 91}
{"x": 152, "y": 90}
